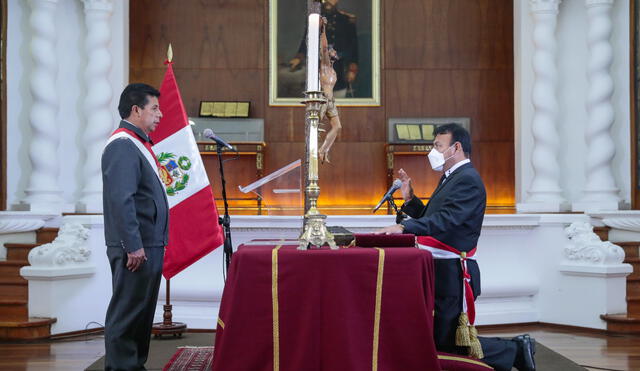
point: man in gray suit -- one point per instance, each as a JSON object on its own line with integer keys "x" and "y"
{"x": 136, "y": 217}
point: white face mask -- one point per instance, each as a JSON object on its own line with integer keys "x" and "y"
{"x": 437, "y": 160}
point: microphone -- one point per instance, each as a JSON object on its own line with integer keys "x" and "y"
{"x": 209, "y": 134}
{"x": 394, "y": 187}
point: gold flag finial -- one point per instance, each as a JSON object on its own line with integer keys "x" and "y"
{"x": 169, "y": 53}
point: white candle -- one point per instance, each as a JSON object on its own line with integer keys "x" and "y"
{"x": 313, "y": 46}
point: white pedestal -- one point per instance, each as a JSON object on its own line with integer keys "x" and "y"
{"x": 594, "y": 291}
{"x": 69, "y": 279}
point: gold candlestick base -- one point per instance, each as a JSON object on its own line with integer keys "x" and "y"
{"x": 316, "y": 233}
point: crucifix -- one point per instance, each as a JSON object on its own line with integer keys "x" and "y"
{"x": 314, "y": 231}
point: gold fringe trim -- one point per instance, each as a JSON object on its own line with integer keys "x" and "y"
{"x": 274, "y": 303}
{"x": 475, "y": 349}
{"x": 376, "y": 323}
{"x": 462, "y": 332}
{"x": 220, "y": 323}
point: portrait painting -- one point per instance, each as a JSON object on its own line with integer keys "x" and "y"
{"x": 352, "y": 30}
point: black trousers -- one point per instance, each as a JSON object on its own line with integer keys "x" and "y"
{"x": 498, "y": 353}
{"x": 130, "y": 314}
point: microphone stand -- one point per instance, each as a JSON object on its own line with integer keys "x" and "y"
{"x": 400, "y": 216}
{"x": 225, "y": 221}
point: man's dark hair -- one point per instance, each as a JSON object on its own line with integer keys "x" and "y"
{"x": 136, "y": 94}
{"x": 458, "y": 134}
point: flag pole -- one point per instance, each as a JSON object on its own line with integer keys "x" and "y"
{"x": 167, "y": 326}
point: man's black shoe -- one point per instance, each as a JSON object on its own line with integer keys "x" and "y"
{"x": 526, "y": 350}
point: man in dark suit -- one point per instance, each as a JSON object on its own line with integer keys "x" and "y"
{"x": 449, "y": 226}
{"x": 136, "y": 216}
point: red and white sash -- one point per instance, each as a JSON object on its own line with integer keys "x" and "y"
{"x": 143, "y": 147}
{"x": 440, "y": 250}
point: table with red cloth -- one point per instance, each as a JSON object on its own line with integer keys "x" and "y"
{"x": 348, "y": 309}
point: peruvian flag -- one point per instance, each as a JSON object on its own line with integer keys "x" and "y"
{"x": 193, "y": 217}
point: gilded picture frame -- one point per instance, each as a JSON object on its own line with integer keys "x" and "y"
{"x": 353, "y": 31}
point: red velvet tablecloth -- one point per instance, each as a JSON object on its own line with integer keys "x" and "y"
{"x": 347, "y": 309}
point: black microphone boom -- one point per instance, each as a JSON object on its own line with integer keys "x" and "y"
{"x": 209, "y": 134}
{"x": 394, "y": 187}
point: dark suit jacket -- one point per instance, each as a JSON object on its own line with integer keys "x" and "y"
{"x": 136, "y": 212}
{"x": 453, "y": 216}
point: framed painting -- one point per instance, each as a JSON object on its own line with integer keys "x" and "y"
{"x": 353, "y": 31}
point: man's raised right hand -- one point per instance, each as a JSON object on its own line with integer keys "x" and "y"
{"x": 406, "y": 189}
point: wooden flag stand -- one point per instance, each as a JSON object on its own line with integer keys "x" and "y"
{"x": 167, "y": 326}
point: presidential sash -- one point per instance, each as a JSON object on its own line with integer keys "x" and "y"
{"x": 466, "y": 333}
{"x": 142, "y": 146}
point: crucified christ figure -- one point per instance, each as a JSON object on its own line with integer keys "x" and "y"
{"x": 328, "y": 78}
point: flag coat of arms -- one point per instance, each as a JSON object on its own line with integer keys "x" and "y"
{"x": 193, "y": 217}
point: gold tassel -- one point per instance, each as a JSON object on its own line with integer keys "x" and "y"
{"x": 462, "y": 332}
{"x": 475, "y": 348}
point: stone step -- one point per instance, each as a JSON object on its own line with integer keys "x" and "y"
{"x": 622, "y": 323}
{"x": 46, "y": 235}
{"x": 19, "y": 251}
{"x": 13, "y": 310}
{"x": 11, "y": 269}
{"x": 31, "y": 329}
{"x": 633, "y": 286}
{"x": 14, "y": 288}
{"x": 631, "y": 249}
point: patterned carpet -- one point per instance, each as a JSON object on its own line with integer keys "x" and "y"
{"x": 191, "y": 359}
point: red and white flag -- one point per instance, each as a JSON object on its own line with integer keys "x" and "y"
{"x": 193, "y": 217}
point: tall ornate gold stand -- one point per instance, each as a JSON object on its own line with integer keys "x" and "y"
{"x": 315, "y": 231}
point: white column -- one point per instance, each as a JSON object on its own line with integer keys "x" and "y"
{"x": 97, "y": 103}
{"x": 545, "y": 194}
{"x": 43, "y": 191}
{"x": 600, "y": 191}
